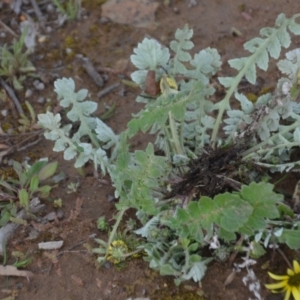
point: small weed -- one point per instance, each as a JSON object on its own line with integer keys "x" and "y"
{"x": 26, "y": 124}
{"x": 57, "y": 203}
{"x": 71, "y": 9}
{"x": 17, "y": 193}
{"x": 73, "y": 187}
{"x": 15, "y": 65}
{"x": 102, "y": 224}
{"x": 22, "y": 260}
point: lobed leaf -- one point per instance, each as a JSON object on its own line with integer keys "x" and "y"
{"x": 233, "y": 211}
{"x": 149, "y": 55}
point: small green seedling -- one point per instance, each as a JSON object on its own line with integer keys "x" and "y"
{"x": 57, "y": 203}
{"x": 22, "y": 260}
{"x": 26, "y": 124}
{"x": 71, "y": 9}
{"x": 73, "y": 187}
{"x": 102, "y": 224}
{"x": 15, "y": 64}
{"x": 17, "y": 192}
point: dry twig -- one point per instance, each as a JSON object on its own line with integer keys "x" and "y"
{"x": 37, "y": 11}
{"x": 17, "y": 146}
{"x": 92, "y": 72}
{"x": 8, "y": 29}
{"x": 12, "y": 95}
{"x": 108, "y": 89}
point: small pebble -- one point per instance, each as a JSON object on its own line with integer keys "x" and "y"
{"x": 4, "y": 112}
{"x": 50, "y": 8}
{"x": 39, "y": 85}
{"x": 3, "y": 34}
{"x": 13, "y": 23}
{"x": 104, "y": 20}
{"x": 176, "y": 10}
{"x": 19, "y": 286}
{"x": 33, "y": 234}
{"x": 107, "y": 265}
{"x": 58, "y": 64}
{"x": 50, "y": 245}
{"x": 60, "y": 214}
{"x": 49, "y": 217}
{"x": 41, "y": 100}
{"x": 48, "y": 29}
{"x": 40, "y": 56}
{"x": 10, "y": 162}
{"x": 79, "y": 55}
{"x": 28, "y": 93}
{"x": 42, "y": 39}
{"x": 69, "y": 50}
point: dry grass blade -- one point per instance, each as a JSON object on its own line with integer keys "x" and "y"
{"x": 8, "y": 29}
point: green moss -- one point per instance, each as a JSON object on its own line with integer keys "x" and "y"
{"x": 6, "y": 126}
{"x": 252, "y": 97}
{"x": 94, "y": 29}
{"x": 242, "y": 7}
{"x": 267, "y": 89}
{"x": 70, "y": 42}
{"x": 94, "y": 42}
{"x": 6, "y": 173}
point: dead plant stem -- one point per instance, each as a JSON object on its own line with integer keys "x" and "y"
{"x": 285, "y": 258}
{"x": 13, "y": 96}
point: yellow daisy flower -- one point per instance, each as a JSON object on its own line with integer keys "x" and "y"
{"x": 289, "y": 284}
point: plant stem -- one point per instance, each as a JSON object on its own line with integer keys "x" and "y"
{"x": 285, "y": 258}
{"x": 167, "y": 143}
{"x": 281, "y": 179}
{"x": 247, "y": 154}
{"x": 175, "y": 139}
{"x": 224, "y": 104}
{"x": 114, "y": 230}
{"x": 133, "y": 252}
{"x": 13, "y": 96}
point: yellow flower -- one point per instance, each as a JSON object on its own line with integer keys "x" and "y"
{"x": 116, "y": 251}
{"x": 290, "y": 283}
{"x": 168, "y": 84}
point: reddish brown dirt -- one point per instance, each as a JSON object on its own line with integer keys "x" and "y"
{"x": 74, "y": 275}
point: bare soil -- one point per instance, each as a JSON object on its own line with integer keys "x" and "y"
{"x": 73, "y": 275}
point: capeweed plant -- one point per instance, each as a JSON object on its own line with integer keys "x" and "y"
{"x": 186, "y": 122}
